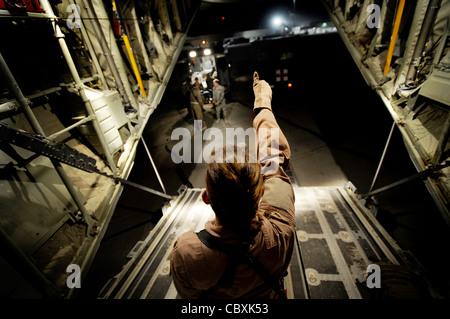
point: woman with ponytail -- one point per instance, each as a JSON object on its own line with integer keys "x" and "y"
{"x": 254, "y": 207}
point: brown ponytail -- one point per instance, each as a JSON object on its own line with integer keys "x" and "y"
{"x": 234, "y": 188}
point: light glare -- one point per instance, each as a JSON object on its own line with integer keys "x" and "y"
{"x": 277, "y": 21}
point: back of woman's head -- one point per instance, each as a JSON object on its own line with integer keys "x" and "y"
{"x": 234, "y": 187}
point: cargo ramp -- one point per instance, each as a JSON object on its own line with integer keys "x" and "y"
{"x": 337, "y": 238}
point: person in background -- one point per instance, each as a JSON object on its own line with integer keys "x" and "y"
{"x": 219, "y": 100}
{"x": 209, "y": 86}
{"x": 200, "y": 85}
{"x": 197, "y": 103}
{"x": 209, "y": 82}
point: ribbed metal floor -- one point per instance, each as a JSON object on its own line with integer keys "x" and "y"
{"x": 336, "y": 240}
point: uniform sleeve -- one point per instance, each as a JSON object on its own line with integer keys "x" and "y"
{"x": 273, "y": 147}
{"x": 273, "y": 153}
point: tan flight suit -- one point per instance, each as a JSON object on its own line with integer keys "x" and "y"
{"x": 196, "y": 103}
{"x": 196, "y": 269}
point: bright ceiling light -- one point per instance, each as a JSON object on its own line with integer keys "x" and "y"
{"x": 192, "y": 54}
{"x": 207, "y": 52}
{"x": 277, "y": 21}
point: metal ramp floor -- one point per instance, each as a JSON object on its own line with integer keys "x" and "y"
{"x": 337, "y": 238}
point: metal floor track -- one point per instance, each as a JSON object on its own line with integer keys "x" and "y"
{"x": 337, "y": 239}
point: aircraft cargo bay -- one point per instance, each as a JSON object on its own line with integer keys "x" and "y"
{"x": 93, "y": 182}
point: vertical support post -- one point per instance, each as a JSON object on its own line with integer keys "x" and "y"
{"x": 185, "y": 16}
{"x": 80, "y": 86}
{"x": 126, "y": 39}
{"x": 141, "y": 54}
{"x": 17, "y": 92}
{"x": 106, "y": 51}
{"x": 91, "y": 51}
{"x": 422, "y": 40}
{"x": 176, "y": 15}
{"x": 382, "y": 158}
{"x": 363, "y": 14}
{"x": 165, "y": 19}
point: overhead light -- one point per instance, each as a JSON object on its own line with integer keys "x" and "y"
{"x": 207, "y": 51}
{"x": 192, "y": 54}
{"x": 277, "y": 22}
